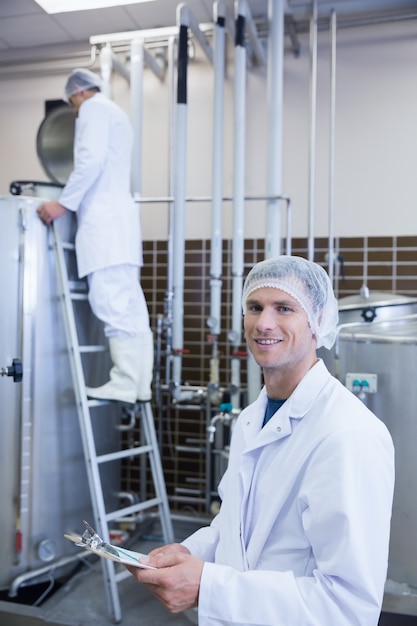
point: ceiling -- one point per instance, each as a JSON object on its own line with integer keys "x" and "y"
{"x": 28, "y": 33}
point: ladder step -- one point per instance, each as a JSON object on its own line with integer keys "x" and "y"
{"x": 77, "y": 285}
{"x": 87, "y": 349}
{"x": 133, "y": 508}
{"x": 68, "y": 246}
{"x": 124, "y": 454}
{"x": 81, "y": 297}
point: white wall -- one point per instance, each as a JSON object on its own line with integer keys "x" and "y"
{"x": 376, "y": 136}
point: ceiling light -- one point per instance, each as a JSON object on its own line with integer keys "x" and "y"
{"x": 64, "y": 6}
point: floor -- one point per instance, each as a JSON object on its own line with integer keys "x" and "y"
{"x": 81, "y": 600}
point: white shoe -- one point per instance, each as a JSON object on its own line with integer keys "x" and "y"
{"x": 125, "y": 354}
{"x": 132, "y": 371}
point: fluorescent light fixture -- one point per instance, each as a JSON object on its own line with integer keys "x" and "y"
{"x": 65, "y": 6}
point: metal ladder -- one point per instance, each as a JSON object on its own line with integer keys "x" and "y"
{"x": 93, "y": 460}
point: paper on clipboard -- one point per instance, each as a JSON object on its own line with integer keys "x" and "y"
{"x": 114, "y": 553}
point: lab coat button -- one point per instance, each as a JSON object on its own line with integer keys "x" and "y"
{"x": 278, "y": 429}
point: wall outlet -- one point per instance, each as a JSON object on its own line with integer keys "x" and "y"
{"x": 361, "y": 382}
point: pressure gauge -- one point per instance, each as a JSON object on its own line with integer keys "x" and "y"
{"x": 46, "y": 550}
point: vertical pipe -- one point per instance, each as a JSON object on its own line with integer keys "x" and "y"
{"x": 136, "y": 108}
{"x": 275, "y": 72}
{"x": 331, "y": 254}
{"x": 179, "y": 199}
{"x": 217, "y": 181}
{"x": 106, "y": 66}
{"x": 313, "y": 104}
{"x": 273, "y": 236}
{"x": 238, "y": 194}
{"x": 170, "y": 278}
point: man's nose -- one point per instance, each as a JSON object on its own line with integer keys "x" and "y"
{"x": 266, "y": 320}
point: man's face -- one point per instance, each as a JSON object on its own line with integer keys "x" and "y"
{"x": 76, "y": 100}
{"x": 277, "y": 330}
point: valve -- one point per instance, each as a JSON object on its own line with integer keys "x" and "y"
{"x": 369, "y": 313}
{"x": 14, "y": 370}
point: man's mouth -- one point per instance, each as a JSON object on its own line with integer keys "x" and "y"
{"x": 267, "y": 342}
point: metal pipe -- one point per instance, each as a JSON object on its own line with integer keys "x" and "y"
{"x": 156, "y": 199}
{"x": 313, "y": 104}
{"x": 169, "y": 294}
{"x": 257, "y": 48}
{"x": 219, "y": 60}
{"x": 200, "y": 36}
{"x": 275, "y": 72}
{"x": 23, "y": 578}
{"x": 158, "y": 66}
{"x": 180, "y": 165}
{"x": 120, "y": 68}
{"x": 136, "y": 105}
{"x": 106, "y": 66}
{"x": 239, "y": 118}
{"x": 331, "y": 252}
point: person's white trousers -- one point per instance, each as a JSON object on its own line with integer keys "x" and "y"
{"x": 116, "y": 298}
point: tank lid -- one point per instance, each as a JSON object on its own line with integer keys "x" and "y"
{"x": 375, "y": 298}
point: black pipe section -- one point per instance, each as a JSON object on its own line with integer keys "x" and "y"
{"x": 240, "y": 31}
{"x": 182, "y": 65}
{"x": 221, "y": 21}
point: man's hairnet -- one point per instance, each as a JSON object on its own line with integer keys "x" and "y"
{"x": 80, "y": 80}
{"x": 305, "y": 281}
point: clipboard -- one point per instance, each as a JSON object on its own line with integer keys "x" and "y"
{"x": 109, "y": 551}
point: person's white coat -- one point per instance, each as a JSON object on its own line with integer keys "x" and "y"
{"x": 303, "y": 531}
{"x": 98, "y": 189}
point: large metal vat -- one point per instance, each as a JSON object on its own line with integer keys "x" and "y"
{"x": 369, "y": 307}
{"x": 43, "y": 489}
{"x": 375, "y": 306}
{"x": 54, "y": 142}
{"x": 388, "y": 349}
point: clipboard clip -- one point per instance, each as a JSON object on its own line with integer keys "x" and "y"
{"x": 93, "y": 540}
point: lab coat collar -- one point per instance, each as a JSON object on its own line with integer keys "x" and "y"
{"x": 297, "y": 405}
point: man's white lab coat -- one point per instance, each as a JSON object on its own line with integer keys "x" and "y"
{"x": 303, "y": 531}
{"x": 98, "y": 189}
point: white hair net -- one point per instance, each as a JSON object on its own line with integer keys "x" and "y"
{"x": 80, "y": 80}
{"x": 305, "y": 281}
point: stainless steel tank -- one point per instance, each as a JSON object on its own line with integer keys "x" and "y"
{"x": 369, "y": 307}
{"x": 388, "y": 349}
{"x": 43, "y": 488}
{"x": 375, "y": 306}
{"x": 54, "y": 142}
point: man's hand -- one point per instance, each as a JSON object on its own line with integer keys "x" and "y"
{"x": 176, "y": 581}
{"x": 50, "y": 210}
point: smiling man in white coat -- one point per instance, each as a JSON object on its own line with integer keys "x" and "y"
{"x": 302, "y": 535}
{"x": 108, "y": 240}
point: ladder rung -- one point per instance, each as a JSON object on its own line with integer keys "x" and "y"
{"x": 86, "y": 349}
{"x": 94, "y": 403}
{"x": 123, "y": 454}
{"x": 77, "y": 285}
{"x": 133, "y": 508}
{"x": 82, "y": 297}
{"x": 68, "y": 246}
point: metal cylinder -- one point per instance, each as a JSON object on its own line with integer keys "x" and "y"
{"x": 54, "y": 143}
{"x": 44, "y": 489}
{"x": 388, "y": 350}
